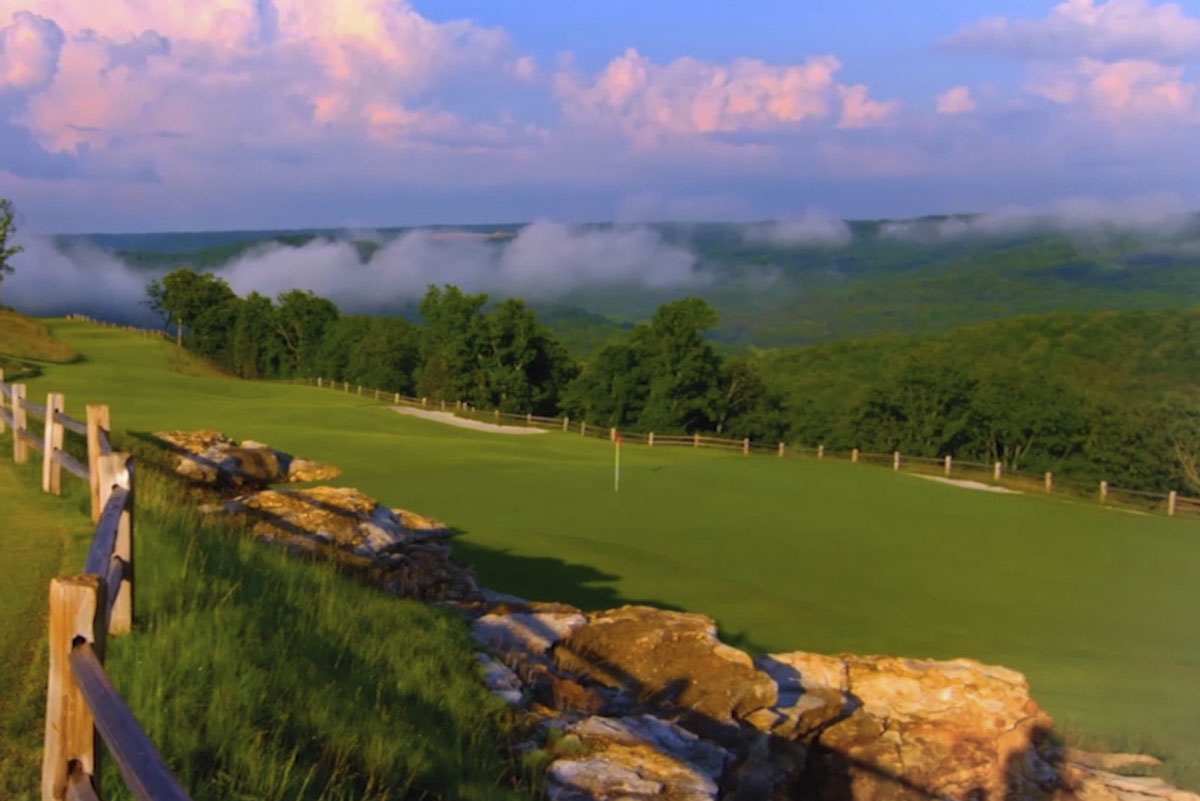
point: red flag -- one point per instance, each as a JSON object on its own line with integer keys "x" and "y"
{"x": 617, "y": 438}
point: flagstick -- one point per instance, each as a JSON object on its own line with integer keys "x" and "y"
{"x": 617, "y": 467}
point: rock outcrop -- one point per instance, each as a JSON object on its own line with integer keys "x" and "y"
{"x": 209, "y": 457}
{"x": 636, "y": 758}
{"x": 670, "y": 662}
{"x": 405, "y": 553}
{"x": 890, "y": 728}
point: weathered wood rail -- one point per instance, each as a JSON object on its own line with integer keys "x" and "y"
{"x": 1169, "y": 503}
{"x": 86, "y": 608}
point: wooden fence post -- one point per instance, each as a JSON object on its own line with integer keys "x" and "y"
{"x": 566, "y": 422}
{"x": 650, "y": 440}
{"x": 1172, "y": 501}
{"x": 896, "y": 460}
{"x": 854, "y": 455}
{"x": 116, "y": 470}
{"x": 360, "y": 389}
{"x": 20, "y": 423}
{"x": 346, "y": 386}
{"x": 583, "y": 429}
{"x": 319, "y": 384}
{"x": 1103, "y": 491}
{"x": 397, "y": 400}
{"x": 3, "y": 426}
{"x": 1049, "y": 481}
{"x": 52, "y": 441}
{"x": 97, "y": 420}
{"x": 949, "y": 463}
{"x": 612, "y": 435}
{"x": 528, "y": 418}
{"x": 76, "y": 613}
{"x": 820, "y": 451}
{"x": 443, "y": 404}
{"x": 424, "y": 402}
{"x": 746, "y": 447}
{"x": 997, "y": 470}
{"x": 781, "y": 450}
{"x": 696, "y": 440}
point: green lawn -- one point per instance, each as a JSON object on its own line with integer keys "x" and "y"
{"x": 1098, "y": 607}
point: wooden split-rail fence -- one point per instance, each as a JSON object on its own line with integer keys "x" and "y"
{"x": 1169, "y": 503}
{"x": 86, "y": 608}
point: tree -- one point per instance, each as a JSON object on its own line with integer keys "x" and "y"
{"x": 611, "y": 390}
{"x": 8, "y": 230}
{"x": 523, "y": 367}
{"x": 452, "y": 345}
{"x": 682, "y": 367}
{"x": 197, "y": 302}
{"x": 301, "y": 321}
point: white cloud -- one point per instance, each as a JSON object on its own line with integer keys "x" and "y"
{"x": 1122, "y": 89}
{"x": 545, "y": 259}
{"x": 1115, "y": 29}
{"x": 812, "y": 228}
{"x": 1159, "y": 214}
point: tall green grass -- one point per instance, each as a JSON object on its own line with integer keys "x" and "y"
{"x": 262, "y": 675}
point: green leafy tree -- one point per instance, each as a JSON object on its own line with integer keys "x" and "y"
{"x": 612, "y": 387}
{"x": 198, "y": 303}
{"x": 8, "y": 230}
{"x": 452, "y": 344}
{"x": 257, "y": 351}
{"x": 301, "y": 320}
{"x": 683, "y": 368}
{"x": 523, "y": 367}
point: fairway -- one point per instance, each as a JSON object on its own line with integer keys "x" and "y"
{"x": 1098, "y": 607}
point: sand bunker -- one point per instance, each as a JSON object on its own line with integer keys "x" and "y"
{"x": 449, "y": 418}
{"x": 973, "y": 485}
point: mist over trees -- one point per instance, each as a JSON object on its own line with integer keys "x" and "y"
{"x": 1112, "y": 395}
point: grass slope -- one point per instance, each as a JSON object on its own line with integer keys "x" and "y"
{"x": 24, "y": 338}
{"x": 1096, "y": 606}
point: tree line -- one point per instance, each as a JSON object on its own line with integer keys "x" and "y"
{"x": 1100, "y": 395}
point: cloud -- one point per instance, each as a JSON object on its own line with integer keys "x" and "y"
{"x": 29, "y": 50}
{"x": 544, "y": 260}
{"x": 1121, "y": 89}
{"x": 1163, "y": 215}
{"x": 225, "y": 77}
{"x": 956, "y": 100}
{"x": 650, "y": 103}
{"x": 1115, "y": 29}
{"x": 814, "y": 228}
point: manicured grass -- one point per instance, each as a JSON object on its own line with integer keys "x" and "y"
{"x": 1097, "y": 607}
{"x": 39, "y": 538}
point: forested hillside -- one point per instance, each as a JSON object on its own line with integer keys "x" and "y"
{"x": 1112, "y": 395}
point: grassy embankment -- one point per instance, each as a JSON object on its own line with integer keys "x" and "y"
{"x": 1096, "y": 606}
{"x": 258, "y": 675}
{"x": 25, "y": 343}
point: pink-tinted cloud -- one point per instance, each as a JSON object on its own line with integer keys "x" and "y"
{"x": 955, "y": 100}
{"x": 29, "y": 50}
{"x": 1128, "y": 88}
{"x": 1094, "y": 28}
{"x": 651, "y": 103}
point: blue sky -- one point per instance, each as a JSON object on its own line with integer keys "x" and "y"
{"x": 120, "y": 115}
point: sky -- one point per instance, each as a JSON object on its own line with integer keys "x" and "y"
{"x": 154, "y": 115}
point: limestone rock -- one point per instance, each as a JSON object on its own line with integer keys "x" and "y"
{"x": 534, "y": 632}
{"x": 915, "y": 729}
{"x": 501, "y": 680}
{"x": 210, "y": 457}
{"x": 669, "y": 661}
{"x": 637, "y": 758}
{"x": 1087, "y": 784}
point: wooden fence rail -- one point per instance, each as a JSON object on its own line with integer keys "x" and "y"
{"x": 85, "y": 609}
{"x": 1171, "y": 504}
